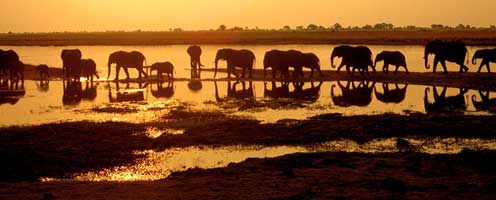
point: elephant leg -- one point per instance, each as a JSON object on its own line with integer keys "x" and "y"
{"x": 385, "y": 68}
{"x": 244, "y": 70}
{"x": 341, "y": 66}
{"x": 127, "y": 73}
{"x": 397, "y": 67}
{"x": 436, "y": 61}
{"x": 250, "y": 71}
{"x": 488, "y": 68}
{"x": 443, "y": 63}
{"x": 117, "y": 70}
{"x": 480, "y": 67}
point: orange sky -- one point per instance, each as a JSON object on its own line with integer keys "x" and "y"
{"x": 101, "y": 15}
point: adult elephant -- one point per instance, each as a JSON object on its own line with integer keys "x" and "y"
{"x": 194, "y": 53}
{"x": 353, "y": 95}
{"x": 359, "y": 57}
{"x": 487, "y": 55}
{"x": 396, "y": 95}
{"x": 395, "y": 58}
{"x": 71, "y": 62}
{"x": 8, "y": 59}
{"x": 279, "y": 60}
{"x": 244, "y": 59}
{"x": 443, "y": 104}
{"x": 124, "y": 59}
{"x": 88, "y": 68}
{"x": 308, "y": 60}
{"x": 452, "y": 51}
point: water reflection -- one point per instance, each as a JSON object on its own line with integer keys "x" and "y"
{"x": 73, "y": 92}
{"x": 195, "y": 85}
{"x": 353, "y": 95}
{"x": 443, "y": 104}
{"x": 127, "y": 94}
{"x": 245, "y": 92}
{"x": 43, "y": 85}
{"x": 161, "y": 91}
{"x": 90, "y": 91}
{"x": 10, "y": 94}
{"x": 486, "y": 103}
{"x": 396, "y": 95}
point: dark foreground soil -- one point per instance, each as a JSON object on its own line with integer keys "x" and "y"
{"x": 468, "y": 175}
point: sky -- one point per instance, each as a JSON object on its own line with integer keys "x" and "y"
{"x": 159, "y": 15}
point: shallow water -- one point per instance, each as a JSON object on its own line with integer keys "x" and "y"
{"x": 176, "y": 54}
{"x": 102, "y": 101}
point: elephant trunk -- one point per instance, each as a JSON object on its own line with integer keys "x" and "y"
{"x": 332, "y": 90}
{"x": 332, "y": 60}
{"x": 109, "y": 68}
{"x": 426, "y": 58}
{"x": 216, "y": 64}
{"x": 426, "y": 96}
{"x": 474, "y": 62}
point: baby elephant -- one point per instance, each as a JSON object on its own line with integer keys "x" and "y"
{"x": 163, "y": 67}
{"x": 88, "y": 69}
{"x": 487, "y": 55}
{"x": 43, "y": 71}
{"x": 391, "y": 58}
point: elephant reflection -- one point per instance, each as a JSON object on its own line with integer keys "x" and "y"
{"x": 127, "y": 94}
{"x": 396, "y": 95}
{"x": 43, "y": 85}
{"x": 73, "y": 92}
{"x": 11, "y": 94}
{"x": 163, "y": 92}
{"x": 310, "y": 94}
{"x": 353, "y": 95}
{"x": 89, "y": 93}
{"x": 277, "y": 92}
{"x": 233, "y": 93}
{"x": 445, "y": 104}
{"x": 486, "y": 103}
{"x": 195, "y": 85}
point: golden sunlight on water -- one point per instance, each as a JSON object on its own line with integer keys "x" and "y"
{"x": 159, "y": 165}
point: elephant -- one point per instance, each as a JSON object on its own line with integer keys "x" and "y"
{"x": 133, "y": 59}
{"x": 8, "y": 59}
{"x": 90, "y": 92}
{"x": 396, "y": 95}
{"x": 359, "y": 57}
{"x": 71, "y": 60}
{"x": 194, "y": 53}
{"x": 487, "y": 55}
{"x": 279, "y": 60}
{"x": 277, "y": 92}
{"x": 163, "y": 67}
{"x": 391, "y": 58}
{"x": 443, "y": 104}
{"x": 308, "y": 60}
{"x": 311, "y": 94}
{"x": 126, "y": 95}
{"x": 360, "y": 95}
{"x": 43, "y": 85}
{"x": 16, "y": 69}
{"x": 446, "y": 51}
{"x": 164, "y": 92}
{"x": 235, "y": 58}
{"x": 486, "y": 103}
{"x": 73, "y": 92}
{"x": 232, "y": 93}
{"x": 195, "y": 85}
{"x": 88, "y": 69}
{"x": 43, "y": 71}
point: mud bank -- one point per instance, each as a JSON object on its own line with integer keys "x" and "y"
{"x": 299, "y": 176}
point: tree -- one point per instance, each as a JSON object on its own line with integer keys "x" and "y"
{"x": 300, "y": 28}
{"x": 337, "y": 26}
{"x": 367, "y": 26}
{"x": 286, "y": 28}
{"x": 312, "y": 27}
{"x": 222, "y": 27}
{"x": 437, "y": 26}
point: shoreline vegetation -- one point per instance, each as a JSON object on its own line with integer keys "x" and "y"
{"x": 476, "y": 37}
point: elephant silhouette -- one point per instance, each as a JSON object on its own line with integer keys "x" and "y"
{"x": 311, "y": 94}
{"x": 43, "y": 85}
{"x": 73, "y": 92}
{"x": 195, "y": 85}
{"x": 487, "y": 56}
{"x": 43, "y": 72}
{"x": 353, "y": 95}
{"x": 359, "y": 57}
{"x": 396, "y": 95}
{"x": 279, "y": 60}
{"x": 123, "y": 59}
{"x": 443, "y": 104}
{"x": 88, "y": 69}
{"x": 452, "y": 51}
{"x": 395, "y": 58}
{"x": 161, "y": 68}
{"x": 89, "y": 92}
{"x": 307, "y": 60}
{"x": 486, "y": 103}
{"x": 163, "y": 92}
{"x": 16, "y": 69}
{"x": 277, "y": 92}
{"x": 233, "y": 93}
{"x": 9, "y": 62}
{"x": 194, "y": 53}
{"x": 127, "y": 94}
{"x": 244, "y": 59}
{"x": 11, "y": 94}
{"x": 71, "y": 63}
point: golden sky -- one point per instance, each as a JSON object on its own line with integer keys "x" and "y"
{"x": 101, "y": 15}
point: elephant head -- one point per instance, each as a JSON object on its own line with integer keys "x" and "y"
{"x": 339, "y": 51}
{"x": 378, "y": 58}
{"x": 113, "y": 59}
{"x": 480, "y": 54}
{"x": 222, "y": 54}
{"x": 432, "y": 47}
